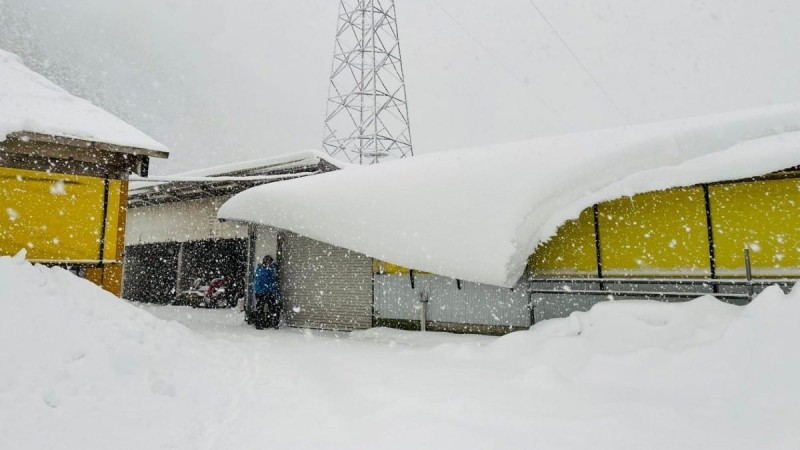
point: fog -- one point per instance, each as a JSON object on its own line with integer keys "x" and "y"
{"x": 219, "y": 81}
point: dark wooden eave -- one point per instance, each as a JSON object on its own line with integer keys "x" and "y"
{"x": 36, "y": 151}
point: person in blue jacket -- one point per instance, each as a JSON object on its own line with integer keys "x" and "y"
{"x": 267, "y": 311}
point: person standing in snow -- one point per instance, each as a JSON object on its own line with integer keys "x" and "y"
{"x": 267, "y": 310}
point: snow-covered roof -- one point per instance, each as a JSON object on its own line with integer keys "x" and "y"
{"x": 229, "y": 178}
{"x": 478, "y": 214}
{"x": 250, "y": 167}
{"x": 31, "y": 103}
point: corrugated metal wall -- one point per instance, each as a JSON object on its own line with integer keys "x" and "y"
{"x": 323, "y": 286}
{"x": 472, "y": 303}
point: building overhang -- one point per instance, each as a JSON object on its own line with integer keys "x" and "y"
{"x": 37, "y": 151}
{"x": 230, "y": 182}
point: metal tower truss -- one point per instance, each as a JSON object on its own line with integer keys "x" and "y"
{"x": 367, "y": 115}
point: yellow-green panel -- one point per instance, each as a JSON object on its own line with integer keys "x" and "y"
{"x": 385, "y": 268}
{"x": 570, "y": 252}
{"x": 382, "y": 267}
{"x": 660, "y": 233}
{"x": 112, "y": 220}
{"x": 56, "y": 217}
{"x": 763, "y": 215}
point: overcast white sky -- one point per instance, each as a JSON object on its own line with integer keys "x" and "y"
{"x": 227, "y": 80}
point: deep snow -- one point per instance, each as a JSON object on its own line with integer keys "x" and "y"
{"x": 478, "y": 214}
{"x": 30, "y": 102}
{"x": 82, "y": 369}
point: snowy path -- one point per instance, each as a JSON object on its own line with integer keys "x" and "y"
{"x": 312, "y": 389}
{"x": 392, "y": 389}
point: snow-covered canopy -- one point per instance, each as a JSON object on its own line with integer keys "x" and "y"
{"x": 255, "y": 167}
{"x": 31, "y": 103}
{"x": 478, "y": 214}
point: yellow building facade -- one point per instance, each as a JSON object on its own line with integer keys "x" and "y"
{"x": 699, "y": 231}
{"x": 64, "y": 202}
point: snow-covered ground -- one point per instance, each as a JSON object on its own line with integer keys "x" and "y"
{"x": 81, "y": 369}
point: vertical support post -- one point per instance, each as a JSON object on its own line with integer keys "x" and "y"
{"x": 748, "y": 271}
{"x": 423, "y": 310}
{"x": 362, "y": 85}
{"x": 179, "y": 270}
{"x": 103, "y": 225}
{"x": 532, "y": 308}
{"x": 598, "y": 254}
{"x": 712, "y": 259}
{"x": 251, "y": 265}
{"x": 373, "y": 39}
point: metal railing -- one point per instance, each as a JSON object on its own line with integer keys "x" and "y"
{"x": 748, "y": 282}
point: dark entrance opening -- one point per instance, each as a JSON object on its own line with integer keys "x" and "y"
{"x": 182, "y": 272}
{"x": 205, "y": 261}
{"x": 151, "y": 272}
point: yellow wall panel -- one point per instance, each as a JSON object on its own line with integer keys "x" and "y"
{"x": 655, "y": 234}
{"x": 112, "y": 278}
{"x": 110, "y": 247}
{"x": 385, "y": 268}
{"x": 122, "y": 219}
{"x": 382, "y": 267}
{"x": 570, "y": 252}
{"x": 95, "y": 275}
{"x": 762, "y": 215}
{"x": 56, "y": 217}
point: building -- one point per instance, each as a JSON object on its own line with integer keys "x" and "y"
{"x": 64, "y": 166}
{"x": 528, "y": 231}
{"x": 174, "y": 237}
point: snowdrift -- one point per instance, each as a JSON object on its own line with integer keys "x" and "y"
{"x": 30, "y": 102}
{"x": 701, "y": 374}
{"x": 478, "y": 214}
{"x": 75, "y": 359}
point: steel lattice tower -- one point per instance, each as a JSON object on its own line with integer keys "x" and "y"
{"x": 367, "y": 118}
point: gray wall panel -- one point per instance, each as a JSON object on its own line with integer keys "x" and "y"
{"x": 394, "y": 298}
{"x": 473, "y": 303}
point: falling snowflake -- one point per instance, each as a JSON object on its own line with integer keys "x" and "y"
{"x": 12, "y": 214}
{"x": 58, "y": 188}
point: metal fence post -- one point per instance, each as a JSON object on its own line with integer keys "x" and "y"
{"x": 748, "y": 270}
{"x": 423, "y": 310}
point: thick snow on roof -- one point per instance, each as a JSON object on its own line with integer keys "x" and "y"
{"x": 287, "y": 160}
{"x": 478, "y": 214}
{"x": 238, "y": 170}
{"x": 29, "y": 102}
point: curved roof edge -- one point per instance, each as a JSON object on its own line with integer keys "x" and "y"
{"x": 477, "y": 214}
